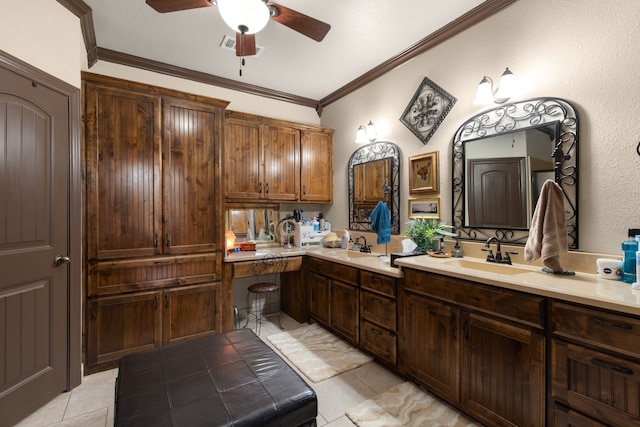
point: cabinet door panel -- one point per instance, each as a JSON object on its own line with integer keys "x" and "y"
{"x": 316, "y": 167}
{"x": 502, "y": 372}
{"x": 281, "y": 158}
{"x": 242, "y": 148}
{"x": 344, "y": 310}
{"x": 123, "y": 173}
{"x": 190, "y": 312}
{"x": 191, "y": 205}
{"x": 319, "y": 297}
{"x": 432, "y": 345}
{"x": 120, "y": 325}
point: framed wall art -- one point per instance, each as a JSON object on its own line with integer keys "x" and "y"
{"x": 424, "y": 177}
{"x": 424, "y": 208}
{"x": 427, "y": 109}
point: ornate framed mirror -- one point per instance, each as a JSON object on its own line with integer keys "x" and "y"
{"x": 502, "y": 156}
{"x": 373, "y": 176}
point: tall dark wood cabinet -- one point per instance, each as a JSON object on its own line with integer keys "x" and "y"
{"x": 153, "y": 218}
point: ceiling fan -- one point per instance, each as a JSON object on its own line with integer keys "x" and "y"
{"x": 239, "y": 15}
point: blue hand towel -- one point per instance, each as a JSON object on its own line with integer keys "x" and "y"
{"x": 381, "y": 222}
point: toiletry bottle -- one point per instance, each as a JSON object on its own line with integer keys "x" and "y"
{"x": 344, "y": 243}
{"x": 637, "y": 260}
{"x": 629, "y": 248}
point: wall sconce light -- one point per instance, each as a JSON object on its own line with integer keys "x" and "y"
{"x": 486, "y": 94}
{"x": 366, "y": 134}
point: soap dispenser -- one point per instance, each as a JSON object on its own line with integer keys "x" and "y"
{"x": 457, "y": 252}
{"x": 629, "y": 248}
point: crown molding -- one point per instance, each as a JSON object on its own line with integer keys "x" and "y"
{"x": 95, "y": 53}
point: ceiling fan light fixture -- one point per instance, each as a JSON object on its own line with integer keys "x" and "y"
{"x": 244, "y": 16}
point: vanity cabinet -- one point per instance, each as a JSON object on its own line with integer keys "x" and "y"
{"x": 479, "y": 347}
{"x": 123, "y": 324}
{"x": 333, "y": 297}
{"x": 153, "y": 217}
{"x": 273, "y": 160}
{"x": 595, "y": 366}
{"x": 378, "y": 314}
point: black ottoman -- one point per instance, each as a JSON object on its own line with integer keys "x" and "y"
{"x": 219, "y": 380}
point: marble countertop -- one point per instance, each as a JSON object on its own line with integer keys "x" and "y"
{"x": 372, "y": 262}
{"x": 583, "y": 288}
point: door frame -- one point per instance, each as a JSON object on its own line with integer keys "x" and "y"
{"x": 74, "y": 287}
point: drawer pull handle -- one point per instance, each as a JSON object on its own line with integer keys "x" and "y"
{"x": 603, "y": 322}
{"x": 599, "y": 363}
{"x": 376, "y": 301}
{"x": 376, "y": 332}
{"x": 375, "y": 279}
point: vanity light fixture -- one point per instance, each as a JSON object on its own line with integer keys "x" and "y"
{"x": 366, "y": 134}
{"x": 486, "y": 94}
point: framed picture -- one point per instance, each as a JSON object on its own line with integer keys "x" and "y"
{"x": 424, "y": 208}
{"x": 423, "y": 174}
{"x": 427, "y": 109}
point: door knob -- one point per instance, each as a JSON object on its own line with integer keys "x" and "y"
{"x": 61, "y": 259}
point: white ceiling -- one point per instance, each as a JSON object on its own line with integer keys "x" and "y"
{"x": 363, "y": 35}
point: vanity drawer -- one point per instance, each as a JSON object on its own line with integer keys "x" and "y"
{"x": 378, "y": 341}
{"x": 378, "y": 282}
{"x": 378, "y": 309}
{"x": 596, "y": 384}
{"x": 337, "y": 271}
{"x": 520, "y": 306}
{"x": 118, "y": 276}
{"x": 612, "y": 331}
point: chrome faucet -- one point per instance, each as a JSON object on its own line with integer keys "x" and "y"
{"x": 498, "y": 256}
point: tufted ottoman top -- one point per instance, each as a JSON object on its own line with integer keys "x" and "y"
{"x": 218, "y": 380}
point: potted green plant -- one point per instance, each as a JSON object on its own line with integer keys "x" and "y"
{"x": 425, "y": 232}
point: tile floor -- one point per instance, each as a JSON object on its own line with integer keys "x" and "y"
{"x": 91, "y": 404}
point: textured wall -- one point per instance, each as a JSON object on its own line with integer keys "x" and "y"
{"x": 582, "y": 51}
{"x": 44, "y": 34}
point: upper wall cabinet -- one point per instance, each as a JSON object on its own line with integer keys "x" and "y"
{"x": 274, "y": 160}
{"x": 151, "y": 166}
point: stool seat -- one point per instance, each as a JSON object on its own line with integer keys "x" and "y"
{"x": 262, "y": 287}
{"x": 266, "y": 270}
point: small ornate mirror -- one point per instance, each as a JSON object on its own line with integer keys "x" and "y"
{"x": 501, "y": 158}
{"x": 374, "y": 176}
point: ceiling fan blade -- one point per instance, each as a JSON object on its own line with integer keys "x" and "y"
{"x": 245, "y": 44}
{"x": 164, "y": 6}
{"x": 300, "y": 22}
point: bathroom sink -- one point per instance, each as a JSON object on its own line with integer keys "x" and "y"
{"x": 488, "y": 267}
{"x": 350, "y": 254}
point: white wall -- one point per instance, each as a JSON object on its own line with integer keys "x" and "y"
{"x": 580, "y": 50}
{"x": 44, "y": 34}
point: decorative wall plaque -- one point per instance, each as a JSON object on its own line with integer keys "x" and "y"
{"x": 427, "y": 109}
